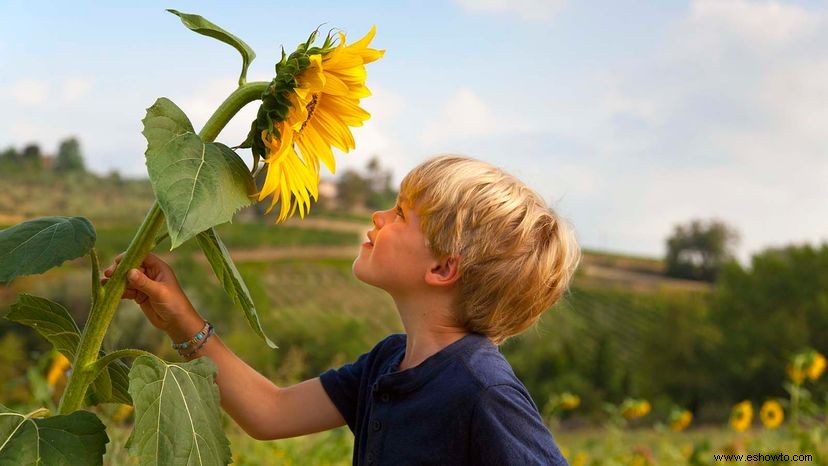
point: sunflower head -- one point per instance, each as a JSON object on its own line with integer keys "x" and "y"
{"x": 808, "y": 364}
{"x": 680, "y": 419}
{"x": 817, "y": 366}
{"x": 741, "y": 416}
{"x": 772, "y": 414}
{"x": 58, "y": 369}
{"x": 634, "y": 409}
{"x": 569, "y": 401}
{"x": 307, "y": 109}
{"x": 276, "y": 101}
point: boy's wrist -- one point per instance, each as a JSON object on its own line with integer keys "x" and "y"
{"x": 186, "y": 328}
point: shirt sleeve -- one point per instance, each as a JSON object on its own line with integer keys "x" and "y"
{"x": 507, "y": 429}
{"x": 342, "y": 386}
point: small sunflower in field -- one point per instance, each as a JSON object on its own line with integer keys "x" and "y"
{"x": 122, "y": 413}
{"x": 809, "y": 364}
{"x": 568, "y": 401}
{"x": 58, "y": 370}
{"x": 772, "y": 414}
{"x": 634, "y": 409}
{"x": 308, "y": 109}
{"x": 680, "y": 419}
{"x": 817, "y": 366}
{"x": 741, "y": 416}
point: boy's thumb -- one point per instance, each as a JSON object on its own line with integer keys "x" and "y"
{"x": 141, "y": 282}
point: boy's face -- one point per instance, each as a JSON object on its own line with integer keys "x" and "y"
{"x": 395, "y": 256}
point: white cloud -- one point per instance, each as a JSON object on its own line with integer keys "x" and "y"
{"x": 466, "y": 115}
{"x": 533, "y": 10}
{"x": 757, "y": 24}
{"x": 30, "y": 92}
{"x": 75, "y": 89}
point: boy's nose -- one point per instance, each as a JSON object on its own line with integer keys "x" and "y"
{"x": 377, "y": 219}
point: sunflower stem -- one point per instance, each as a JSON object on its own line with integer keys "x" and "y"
{"x": 232, "y": 104}
{"x": 103, "y": 309}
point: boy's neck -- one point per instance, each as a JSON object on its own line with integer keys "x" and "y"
{"x": 429, "y": 328}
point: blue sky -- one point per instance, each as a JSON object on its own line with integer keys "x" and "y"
{"x": 628, "y": 117}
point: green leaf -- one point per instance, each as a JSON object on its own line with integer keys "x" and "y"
{"x": 51, "y": 320}
{"x": 198, "y": 185}
{"x": 54, "y": 323}
{"x": 77, "y": 438}
{"x": 177, "y": 413}
{"x": 230, "y": 278}
{"x": 40, "y": 244}
{"x": 206, "y": 28}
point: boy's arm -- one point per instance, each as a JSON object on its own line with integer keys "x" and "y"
{"x": 262, "y": 409}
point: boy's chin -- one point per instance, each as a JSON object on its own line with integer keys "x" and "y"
{"x": 362, "y": 275}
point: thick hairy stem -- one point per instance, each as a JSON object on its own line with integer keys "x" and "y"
{"x": 103, "y": 309}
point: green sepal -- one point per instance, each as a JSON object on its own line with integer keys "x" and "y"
{"x": 204, "y": 27}
{"x": 37, "y": 245}
{"x": 54, "y": 323}
{"x": 177, "y": 413}
{"x": 198, "y": 185}
{"x": 231, "y": 279}
{"x": 30, "y": 439}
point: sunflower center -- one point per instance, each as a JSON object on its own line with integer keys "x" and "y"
{"x": 310, "y": 108}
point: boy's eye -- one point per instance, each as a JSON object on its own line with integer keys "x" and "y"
{"x": 400, "y": 212}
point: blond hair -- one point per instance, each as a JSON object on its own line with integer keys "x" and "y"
{"x": 516, "y": 255}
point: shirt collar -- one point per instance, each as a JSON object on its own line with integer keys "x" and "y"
{"x": 396, "y": 381}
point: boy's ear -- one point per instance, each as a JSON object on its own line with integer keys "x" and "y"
{"x": 444, "y": 272}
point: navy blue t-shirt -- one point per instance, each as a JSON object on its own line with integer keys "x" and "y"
{"x": 463, "y": 405}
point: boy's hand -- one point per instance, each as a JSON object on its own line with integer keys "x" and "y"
{"x": 154, "y": 287}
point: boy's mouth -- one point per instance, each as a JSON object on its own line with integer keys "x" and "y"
{"x": 370, "y": 241}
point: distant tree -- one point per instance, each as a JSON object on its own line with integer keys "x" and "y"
{"x": 352, "y": 189}
{"x": 31, "y": 159}
{"x": 698, "y": 250}
{"x": 69, "y": 156}
{"x": 380, "y": 194}
{"x": 9, "y": 160}
{"x": 371, "y": 189}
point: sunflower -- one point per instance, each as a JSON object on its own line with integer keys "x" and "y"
{"x": 58, "y": 369}
{"x": 122, "y": 413}
{"x": 680, "y": 419}
{"x": 816, "y": 367}
{"x": 321, "y": 91}
{"x": 742, "y": 416}
{"x": 771, "y": 414}
{"x": 569, "y": 401}
{"x": 634, "y": 409}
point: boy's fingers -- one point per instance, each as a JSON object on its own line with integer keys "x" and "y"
{"x": 139, "y": 281}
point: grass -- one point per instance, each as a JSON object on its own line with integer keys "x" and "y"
{"x": 330, "y": 448}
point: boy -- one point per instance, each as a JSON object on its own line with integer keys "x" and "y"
{"x": 471, "y": 256}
